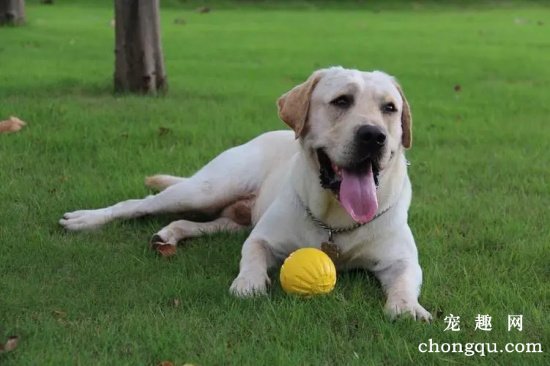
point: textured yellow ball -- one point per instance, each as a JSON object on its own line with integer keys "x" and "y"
{"x": 308, "y": 271}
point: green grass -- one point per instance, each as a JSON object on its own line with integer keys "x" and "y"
{"x": 480, "y": 171}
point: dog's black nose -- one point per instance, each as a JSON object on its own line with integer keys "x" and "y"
{"x": 370, "y": 138}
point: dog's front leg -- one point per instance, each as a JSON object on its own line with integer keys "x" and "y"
{"x": 401, "y": 281}
{"x": 256, "y": 259}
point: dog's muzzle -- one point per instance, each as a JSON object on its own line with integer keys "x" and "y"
{"x": 353, "y": 184}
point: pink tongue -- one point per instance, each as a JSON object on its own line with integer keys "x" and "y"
{"x": 358, "y": 194}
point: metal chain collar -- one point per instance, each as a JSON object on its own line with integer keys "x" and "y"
{"x": 331, "y": 230}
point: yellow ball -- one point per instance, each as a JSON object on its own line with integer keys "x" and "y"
{"x": 308, "y": 271}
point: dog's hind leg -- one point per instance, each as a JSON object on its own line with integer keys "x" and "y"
{"x": 234, "y": 217}
{"x": 233, "y": 175}
{"x": 184, "y": 229}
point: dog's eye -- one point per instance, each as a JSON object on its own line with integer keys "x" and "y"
{"x": 343, "y": 101}
{"x": 389, "y": 108}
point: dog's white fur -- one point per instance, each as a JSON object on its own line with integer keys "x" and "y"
{"x": 271, "y": 174}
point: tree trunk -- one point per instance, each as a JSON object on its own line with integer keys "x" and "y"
{"x": 139, "y": 64}
{"x": 12, "y": 12}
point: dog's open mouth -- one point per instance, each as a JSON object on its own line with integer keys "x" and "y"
{"x": 354, "y": 186}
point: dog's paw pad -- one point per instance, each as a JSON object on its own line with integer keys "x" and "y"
{"x": 164, "y": 250}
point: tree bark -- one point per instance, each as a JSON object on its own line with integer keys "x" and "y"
{"x": 139, "y": 63}
{"x": 12, "y": 12}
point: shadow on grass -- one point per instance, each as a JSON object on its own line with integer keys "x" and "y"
{"x": 74, "y": 87}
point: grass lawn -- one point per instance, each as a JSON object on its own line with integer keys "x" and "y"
{"x": 480, "y": 172}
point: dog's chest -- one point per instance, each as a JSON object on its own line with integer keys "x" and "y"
{"x": 352, "y": 250}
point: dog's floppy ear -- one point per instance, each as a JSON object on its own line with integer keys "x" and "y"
{"x": 294, "y": 104}
{"x": 406, "y": 120}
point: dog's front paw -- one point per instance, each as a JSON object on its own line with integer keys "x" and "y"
{"x": 248, "y": 285}
{"x": 84, "y": 219}
{"x": 400, "y": 307}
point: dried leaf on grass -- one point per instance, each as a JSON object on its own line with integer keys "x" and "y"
{"x": 12, "y": 124}
{"x": 10, "y": 345}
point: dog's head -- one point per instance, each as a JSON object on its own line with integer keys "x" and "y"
{"x": 352, "y": 123}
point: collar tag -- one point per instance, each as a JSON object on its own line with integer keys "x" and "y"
{"x": 332, "y": 250}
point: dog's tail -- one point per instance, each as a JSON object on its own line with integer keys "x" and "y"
{"x": 160, "y": 182}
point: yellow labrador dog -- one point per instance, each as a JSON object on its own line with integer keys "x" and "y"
{"x": 339, "y": 179}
